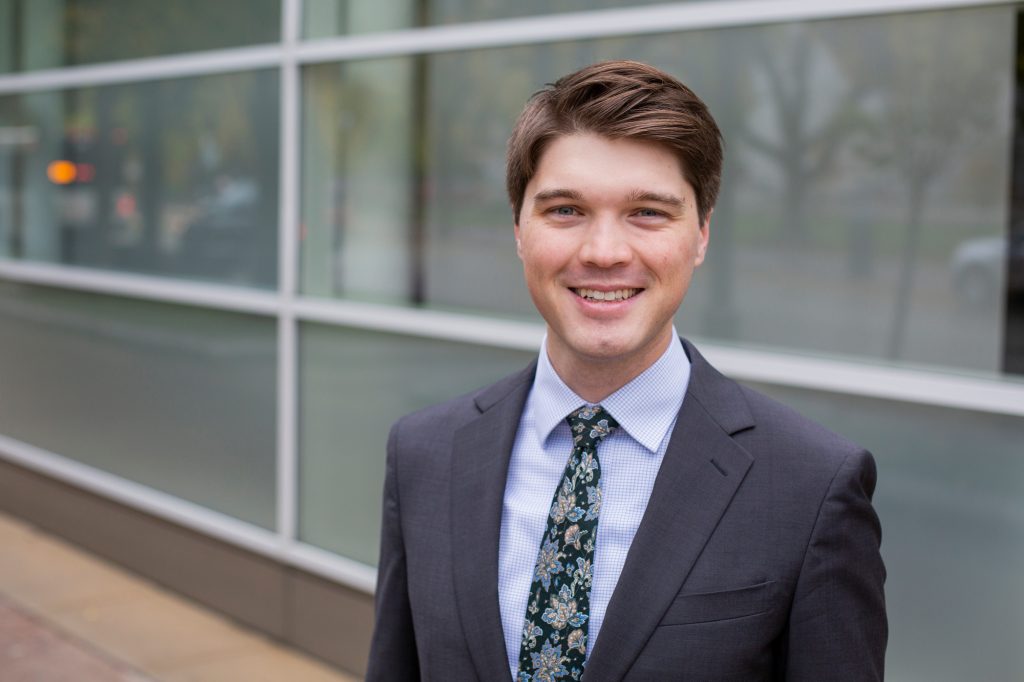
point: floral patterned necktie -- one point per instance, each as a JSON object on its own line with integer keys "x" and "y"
{"x": 555, "y": 633}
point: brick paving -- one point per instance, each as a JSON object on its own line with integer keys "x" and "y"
{"x": 33, "y": 651}
{"x": 68, "y": 616}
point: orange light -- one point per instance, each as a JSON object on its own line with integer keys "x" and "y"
{"x": 61, "y": 172}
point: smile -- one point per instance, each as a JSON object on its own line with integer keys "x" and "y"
{"x": 617, "y": 295}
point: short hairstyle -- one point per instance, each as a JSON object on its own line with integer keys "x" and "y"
{"x": 619, "y": 99}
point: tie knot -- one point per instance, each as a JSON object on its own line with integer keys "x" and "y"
{"x": 590, "y": 425}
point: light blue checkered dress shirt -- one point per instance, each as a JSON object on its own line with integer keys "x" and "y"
{"x": 646, "y": 409}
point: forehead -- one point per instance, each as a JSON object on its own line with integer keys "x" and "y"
{"x": 586, "y": 160}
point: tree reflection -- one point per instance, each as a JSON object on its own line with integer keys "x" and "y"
{"x": 71, "y": 32}
{"x": 929, "y": 95}
{"x": 812, "y": 112}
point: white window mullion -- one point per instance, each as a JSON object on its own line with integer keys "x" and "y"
{"x": 288, "y": 222}
{"x": 609, "y": 23}
{"x": 650, "y": 19}
{"x": 139, "y": 70}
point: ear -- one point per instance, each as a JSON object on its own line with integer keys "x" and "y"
{"x": 702, "y": 240}
{"x": 519, "y": 243}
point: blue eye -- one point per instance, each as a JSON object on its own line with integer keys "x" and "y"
{"x": 564, "y": 210}
{"x": 648, "y": 213}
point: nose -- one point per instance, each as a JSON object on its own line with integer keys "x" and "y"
{"x": 605, "y": 243}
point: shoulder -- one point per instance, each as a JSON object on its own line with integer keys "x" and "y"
{"x": 422, "y": 443}
{"x": 772, "y": 432}
{"x": 804, "y": 449}
{"x": 786, "y": 426}
{"x": 446, "y": 417}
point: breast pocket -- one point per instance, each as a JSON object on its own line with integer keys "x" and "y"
{"x": 705, "y": 607}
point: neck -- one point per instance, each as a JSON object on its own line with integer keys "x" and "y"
{"x": 594, "y": 379}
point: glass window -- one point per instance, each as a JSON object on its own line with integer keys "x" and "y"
{"x": 361, "y": 210}
{"x": 1012, "y": 252}
{"x": 176, "y": 398}
{"x": 354, "y": 384}
{"x": 950, "y": 484}
{"x": 327, "y": 18}
{"x": 864, "y": 183}
{"x": 865, "y": 169}
{"x": 324, "y": 18}
{"x": 47, "y": 34}
{"x": 174, "y": 177}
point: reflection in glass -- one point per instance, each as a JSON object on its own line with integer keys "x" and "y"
{"x": 950, "y": 485}
{"x": 1011, "y": 252}
{"x": 174, "y": 177}
{"x": 860, "y": 175}
{"x": 325, "y": 18}
{"x": 354, "y": 384}
{"x": 176, "y": 398}
{"x": 864, "y": 158}
{"x": 47, "y": 34}
{"x": 359, "y": 180}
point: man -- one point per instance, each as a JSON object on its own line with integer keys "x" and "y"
{"x": 677, "y": 527}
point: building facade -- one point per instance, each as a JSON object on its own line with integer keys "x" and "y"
{"x": 239, "y": 238}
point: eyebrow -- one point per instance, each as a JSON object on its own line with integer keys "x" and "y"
{"x": 636, "y": 195}
{"x": 640, "y": 195}
{"x": 548, "y": 194}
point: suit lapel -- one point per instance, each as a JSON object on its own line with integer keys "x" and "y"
{"x": 701, "y": 471}
{"x": 480, "y": 460}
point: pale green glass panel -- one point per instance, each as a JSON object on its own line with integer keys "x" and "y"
{"x": 174, "y": 177}
{"x": 358, "y": 179}
{"x": 324, "y": 18}
{"x": 176, "y": 398}
{"x": 950, "y": 497}
{"x": 354, "y": 385}
{"x": 46, "y": 34}
{"x": 864, "y": 198}
{"x": 328, "y": 18}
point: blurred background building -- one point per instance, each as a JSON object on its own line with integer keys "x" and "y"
{"x": 239, "y": 238}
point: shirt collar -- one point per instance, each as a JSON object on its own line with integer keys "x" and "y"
{"x": 646, "y": 407}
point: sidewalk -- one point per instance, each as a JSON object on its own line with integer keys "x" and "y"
{"x": 67, "y": 615}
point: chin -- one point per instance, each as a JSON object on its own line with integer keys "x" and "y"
{"x": 603, "y": 350}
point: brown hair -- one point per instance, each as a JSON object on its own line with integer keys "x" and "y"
{"x": 619, "y": 99}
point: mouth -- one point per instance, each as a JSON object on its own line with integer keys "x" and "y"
{"x": 610, "y": 296}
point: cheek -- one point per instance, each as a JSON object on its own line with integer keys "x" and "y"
{"x": 684, "y": 258}
{"x": 670, "y": 264}
{"x": 538, "y": 266}
{"x": 544, "y": 255}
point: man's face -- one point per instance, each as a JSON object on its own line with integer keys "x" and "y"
{"x": 609, "y": 238}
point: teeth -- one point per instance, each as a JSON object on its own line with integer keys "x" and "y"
{"x": 617, "y": 295}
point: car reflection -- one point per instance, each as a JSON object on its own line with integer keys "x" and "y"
{"x": 980, "y": 266}
{"x": 223, "y": 239}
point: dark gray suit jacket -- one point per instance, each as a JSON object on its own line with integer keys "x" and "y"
{"x": 757, "y": 558}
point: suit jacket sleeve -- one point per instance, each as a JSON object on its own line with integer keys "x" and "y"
{"x": 393, "y": 649}
{"x": 837, "y": 626}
